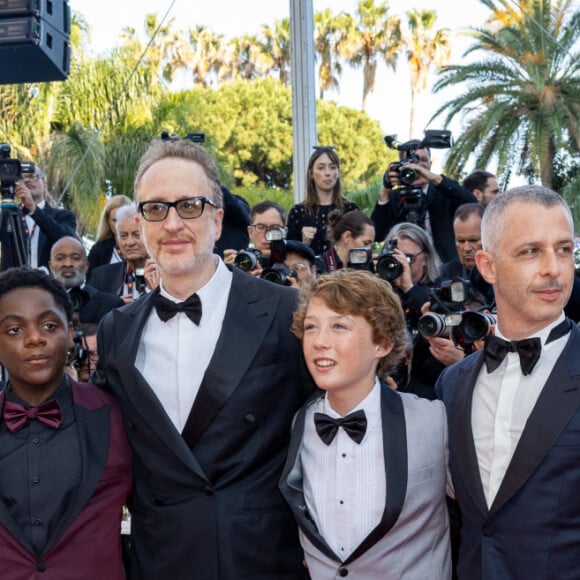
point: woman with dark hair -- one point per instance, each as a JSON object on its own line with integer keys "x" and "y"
{"x": 346, "y": 231}
{"x": 308, "y": 220}
{"x": 105, "y": 250}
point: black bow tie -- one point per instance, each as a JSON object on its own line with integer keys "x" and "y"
{"x": 528, "y": 349}
{"x": 354, "y": 424}
{"x": 167, "y": 309}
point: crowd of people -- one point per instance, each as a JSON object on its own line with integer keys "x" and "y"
{"x": 270, "y": 397}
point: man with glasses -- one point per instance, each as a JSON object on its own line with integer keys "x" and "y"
{"x": 209, "y": 377}
{"x": 42, "y": 224}
{"x": 263, "y": 217}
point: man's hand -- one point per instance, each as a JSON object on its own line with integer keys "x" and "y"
{"x": 230, "y": 256}
{"x": 22, "y": 195}
{"x": 152, "y": 274}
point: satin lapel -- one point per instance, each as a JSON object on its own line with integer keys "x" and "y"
{"x": 93, "y": 428}
{"x": 291, "y": 485}
{"x": 461, "y": 443}
{"x": 5, "y": 517}
{"x": 396, "y": 468}
{"x": 249, "y": 316}
{"x": 557, "y": 403}
{"x": 129, "y": 328}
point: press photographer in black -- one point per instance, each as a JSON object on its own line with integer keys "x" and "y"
{"x": 429, "y": 200}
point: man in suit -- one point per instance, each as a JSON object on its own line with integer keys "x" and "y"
{"x": 126, "y": 278}
{"x": 367, "y": 468}
{"x": 69, "y": 265}
{"x": 65, "y": 465}
{"x": 42, "y": 224}
{"x": 514, "y": 422}
{"x": 443, "y": 196}
{"x": 209, "y": 377}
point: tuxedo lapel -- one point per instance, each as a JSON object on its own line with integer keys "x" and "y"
{"x": 129, "y": 328}
{"x": 93, "y": 428}
{"x": 396, "y": 468}
{"x": 557, "y": 403}
{"x": 292, "y": 484}
{"x": 461, "y": 433}
{"x": 249, "y": 316}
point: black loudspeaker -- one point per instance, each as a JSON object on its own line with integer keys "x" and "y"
{"x": 34, "y": 41}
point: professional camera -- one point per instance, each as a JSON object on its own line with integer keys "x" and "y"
{"x": 246, "y": 260}
{"x": 277, "y": 271}
{"x": 449, "y": 314}
{"x": 11, "y": 170}
{"x": 80, "y": 350}
{"x": 413, "y": 201}
{"x": 388, "y": 267}
{"x": 360, "y": 259}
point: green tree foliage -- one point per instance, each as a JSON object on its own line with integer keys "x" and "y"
{"x": 520, "y": 102}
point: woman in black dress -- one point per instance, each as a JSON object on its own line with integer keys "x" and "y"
{"x": 308, "y": 220}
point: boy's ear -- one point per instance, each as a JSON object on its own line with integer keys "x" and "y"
{"x": 383, "y": 350}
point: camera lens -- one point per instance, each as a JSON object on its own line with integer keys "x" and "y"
{"x": 407, "y": 175}
{"x": 476, "y": 325}
{"x": 388, "y": 267}
{"x": 431, "y": 325}
{"x": 246, "y": 261}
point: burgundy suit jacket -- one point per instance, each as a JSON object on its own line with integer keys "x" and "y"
{"x": 86, "y": 541}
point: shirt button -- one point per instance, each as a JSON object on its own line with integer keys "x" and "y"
{"x": 343, "y": 572}
{"x": 35, "y": 479}
{"x": 35, "y": 440}
{"x": 37, "y": 522}
{"x": 340, "y": 502}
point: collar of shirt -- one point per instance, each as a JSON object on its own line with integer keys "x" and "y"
{"x": 210, "y": 294}
{"x": 542, "y": 334}
{"x": 371, "y": 405}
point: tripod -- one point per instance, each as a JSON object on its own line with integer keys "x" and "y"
{"x": 12, "y": 248}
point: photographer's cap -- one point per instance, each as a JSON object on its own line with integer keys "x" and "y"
{"x": 301, "y": 249}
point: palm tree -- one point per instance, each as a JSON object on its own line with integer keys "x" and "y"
{"x": 326, "y": 26}
{"x": 426, "y": 48}
{"x": 245, "y": 59}
{"x": 208, "y": 51}
{"x": 520, "y": 103}
{"x": 374, "y": 36}
{"x": 275, "y": 46}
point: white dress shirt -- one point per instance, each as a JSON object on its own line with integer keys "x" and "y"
{"x": 174, "y": 355}
{"x": 345, "y": 482}
{"x": 502, "y": 403}
{"x": 33, "y": 233}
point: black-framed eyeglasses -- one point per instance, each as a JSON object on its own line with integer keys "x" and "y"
{"x": 189, "y": 208}
{"x": 263, "y": 227}
{"x": 412, "y": 257}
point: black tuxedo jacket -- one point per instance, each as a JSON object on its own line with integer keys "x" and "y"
{"x": 53, "y": 224}
{"x": 206, "y": 501}
{"x": 532, "y": 530}
{"x": 93, "y": 304}
{"x": 442, "y": 201}
{"x": 109, "y": 278}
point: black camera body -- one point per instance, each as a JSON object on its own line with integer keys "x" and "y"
{"x": 388, "y": 267}
{"x": 277, "y": 271}
{"x": 246, "y": 260}
{"x": 10, "y": 169}
{"x": 413, "y": 201}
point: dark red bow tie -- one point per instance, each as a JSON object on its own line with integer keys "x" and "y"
{"x": 167, "y": 309}
{"x": 16, "y": 416}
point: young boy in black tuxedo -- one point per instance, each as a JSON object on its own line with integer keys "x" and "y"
{"x": 366, "y": 473}
{"x": 65, "y": 464}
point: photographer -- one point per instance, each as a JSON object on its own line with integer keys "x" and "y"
{"x": 346, "y": 232}
{"x": 263, "y": 217}
{"x": 42, "y": 224}
{"x": 440, "y": 194}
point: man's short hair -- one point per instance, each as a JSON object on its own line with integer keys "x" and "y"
{"x": 27, "y": 277}
{"x": 466, "y": 210}
{"x": 64, "y": 238}
{"x": 264, "y": 206}
{"x": 160, "y": 149}
{"x": 477, "y": 180}
{"x": 126, "y": 211}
